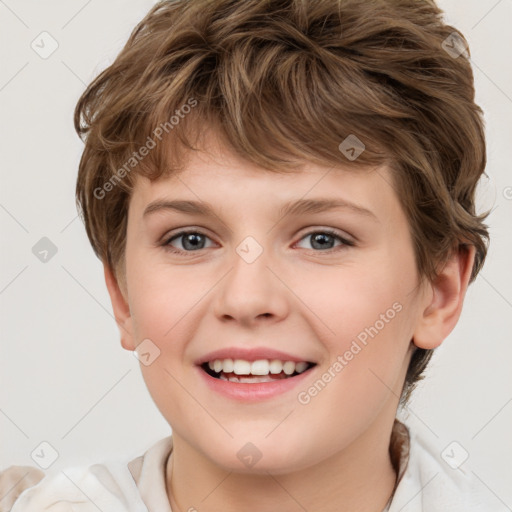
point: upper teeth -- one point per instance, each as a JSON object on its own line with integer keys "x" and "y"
{"x": 259, "y": 367}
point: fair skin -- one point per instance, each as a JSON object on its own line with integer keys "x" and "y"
{"x": 330, "y": 454}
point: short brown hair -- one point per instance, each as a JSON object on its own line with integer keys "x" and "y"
{"x": 285, "y": 81}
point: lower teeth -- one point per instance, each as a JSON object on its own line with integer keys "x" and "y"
{"x": 252, "y": 379}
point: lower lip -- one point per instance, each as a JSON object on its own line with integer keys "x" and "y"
{"x": 248, "y": 392}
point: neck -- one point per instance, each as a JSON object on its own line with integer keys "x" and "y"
{"x": 359, "y": 478}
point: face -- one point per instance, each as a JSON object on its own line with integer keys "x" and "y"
{"x": 335, "y": 288}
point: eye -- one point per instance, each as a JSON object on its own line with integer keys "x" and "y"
{"x": 191, "y": 241}
{"x": 322, "y": 239}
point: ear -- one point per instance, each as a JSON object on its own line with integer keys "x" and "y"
{"x": 121, "y": 309}
{"x": 445, "y": 298}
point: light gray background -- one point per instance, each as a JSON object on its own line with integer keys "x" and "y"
{"x": 65, "y": 378}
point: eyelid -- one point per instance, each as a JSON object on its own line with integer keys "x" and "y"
{"x": 343, "y": 235}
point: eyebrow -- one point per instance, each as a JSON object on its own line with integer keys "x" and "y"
{"x": 299, "y": 207}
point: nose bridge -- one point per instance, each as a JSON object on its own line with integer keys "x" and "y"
{"x": 251, "y": 289}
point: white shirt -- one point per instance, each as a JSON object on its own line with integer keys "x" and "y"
{"x": 426, "y": 483}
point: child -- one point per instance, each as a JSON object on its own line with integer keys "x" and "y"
{"x": 262, "y": 128}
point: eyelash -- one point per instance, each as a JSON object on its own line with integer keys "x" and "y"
{"x": 330, "y": 232}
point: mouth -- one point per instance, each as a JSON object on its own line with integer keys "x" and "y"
{"x": 255, "y": 372}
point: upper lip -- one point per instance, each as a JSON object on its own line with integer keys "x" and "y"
{"x": 250, "y": 354}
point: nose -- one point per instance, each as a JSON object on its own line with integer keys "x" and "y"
{"x": 252, "y": 292}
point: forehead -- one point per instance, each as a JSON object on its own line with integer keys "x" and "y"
{"x": 220, "y": 179}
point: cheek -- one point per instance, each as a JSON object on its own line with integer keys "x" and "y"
{"x": 162, "y": 298}
{"x": 368, "y": 318}
{"x": 163, "y": 305}
{"x": 159, "y": 314}
{"x": 349, "y": 301}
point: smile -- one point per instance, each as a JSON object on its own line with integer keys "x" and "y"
{"x": 253, "y": 381}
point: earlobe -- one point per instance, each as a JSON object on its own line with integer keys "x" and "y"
{"x": 120, "y": 308}
{"x": 444, "y": 305}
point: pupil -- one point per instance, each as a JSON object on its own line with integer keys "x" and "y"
{"x": 321, "y": 239}
{"x": 190, "y": 238}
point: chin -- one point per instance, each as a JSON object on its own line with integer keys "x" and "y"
{"x": 259, "y": 458}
